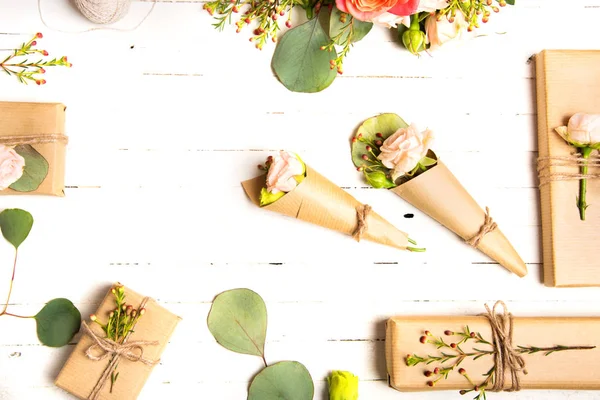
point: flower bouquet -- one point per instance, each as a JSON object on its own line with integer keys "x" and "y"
{"x": 292, "y": 188}
{"x": 309, "y": 56}
{"x": 395, "y": 156}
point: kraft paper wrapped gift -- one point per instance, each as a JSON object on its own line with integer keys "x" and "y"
{"x": 80, "y": 374}
{"x": 568, "y": 82}
{"x": 41, "y": 126}
{"x": 568, "y": 369}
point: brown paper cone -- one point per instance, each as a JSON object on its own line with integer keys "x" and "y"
{"x": 317, "y": 200}
{"x": 441, "y": 196}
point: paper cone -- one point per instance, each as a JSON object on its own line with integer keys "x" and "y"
{"x": 441, "y": 196}
{"x": 317, "y": 200}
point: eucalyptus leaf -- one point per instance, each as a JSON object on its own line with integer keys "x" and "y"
{"x": 336, "y": 26}
{"x": 238, "y": 321}
{"x": 35, "y": 171}
{"x": 385, "y": 124}
{"x": 286, "y": 380}
{"x": 299, "y": 62}
{"x": 57, "y": 322}
{"x": 15, "y": 225}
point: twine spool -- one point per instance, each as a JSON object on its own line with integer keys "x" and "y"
{"x": 103, "y": 11}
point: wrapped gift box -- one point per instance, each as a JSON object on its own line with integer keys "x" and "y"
{"x": 80, "y": 375}
{"x": 569, "y": 369}
{"x": 43, "y": 126}
{"x": 568, "y": 82}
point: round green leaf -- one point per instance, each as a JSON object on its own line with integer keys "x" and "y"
{"x": 286, "y": 380}
{"x": 299, "y": 62}
{"x": 15, "y": 225}
{"x": 57, "y": 322}
{"x": 35, "y": 171}
{"x": 359, "y": 29}
{"x": 238, "y": 321}
{"x": 386, "y": 124}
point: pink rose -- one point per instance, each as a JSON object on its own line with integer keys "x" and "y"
{"x": 582, "y": 130}
{"x": 440, "y": 32}
{"x": 367, "y": 10}
{"x": 282, "y": 173}
{"x": 11, "y": 166}
{"x": 402, "y": 151}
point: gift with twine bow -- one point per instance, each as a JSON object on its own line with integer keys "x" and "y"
{"x": 41, "y": 126}
{"x": 568, "y": 82}
{"x": 87, "y": 372}
{"x": 319, "y": 201}
{"x": 493, "y": 351}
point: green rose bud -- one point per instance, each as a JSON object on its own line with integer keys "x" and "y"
{"x": 343, "y": 385}
{"x": 414, "y": 40}
{"x": 379, "y": 180}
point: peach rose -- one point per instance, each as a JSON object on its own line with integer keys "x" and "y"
{"x": 402, "y": 151}
{"x": 583, "y": 130}
{"x": 367, "y": 10}
{"x": 11, "y": 166}
{"x": 282, "y": 173}
{"x": 440, "y": 32}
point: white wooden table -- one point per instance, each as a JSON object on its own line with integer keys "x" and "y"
{"x": 166, "y": 120}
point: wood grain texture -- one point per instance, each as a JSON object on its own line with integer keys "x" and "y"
{"x": 165, "y": 122}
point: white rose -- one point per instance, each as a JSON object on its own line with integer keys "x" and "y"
{"x": 583, "y": 130}
{"x": 443, "y": 31}
{"x": 282, "y": 173}
{"x": 402, "y": 151}
{"x": 11, "y": 166}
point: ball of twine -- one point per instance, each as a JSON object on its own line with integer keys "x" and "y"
{"x": 103, "y": 11}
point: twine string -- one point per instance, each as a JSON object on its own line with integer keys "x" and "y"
{"x": 575, "y": 160}
{"x": 362, "y": 212}
{"x": 488, "y": 226}
{"x": 506, "y": 359}
{"x": 116, "y": 350}
{"x": 33, "y": 139}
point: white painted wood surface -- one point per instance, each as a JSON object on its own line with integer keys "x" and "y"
{"x": 166, "y": 120}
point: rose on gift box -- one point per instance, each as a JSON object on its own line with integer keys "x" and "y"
{"x": 395, "y": 156}
{"x": 292, "y": 188}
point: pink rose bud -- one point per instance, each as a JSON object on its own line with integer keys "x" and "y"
{"x": 283, "y": 172}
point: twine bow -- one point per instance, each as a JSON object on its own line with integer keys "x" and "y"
{"x": 33, "y": 139}
{"x": 116, "y": 350}
{"x": 505, "y": 358}
{"x": 488, "y": 226}
{"x": 362, "y": 212}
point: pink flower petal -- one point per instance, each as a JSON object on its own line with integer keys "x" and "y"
{"x": 405, "y": 7}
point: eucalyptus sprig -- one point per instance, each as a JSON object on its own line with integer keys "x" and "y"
{"x": 58, "y": 321}
{"x": 120, "y": 323}
{"x": 450, "y": 358}
{"x": 26, "y": 70}
{"x": 238, "y": 322}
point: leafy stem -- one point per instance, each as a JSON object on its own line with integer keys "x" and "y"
{"x": 581, "y": 201}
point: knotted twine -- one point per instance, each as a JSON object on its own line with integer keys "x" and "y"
{"x": 506, "y": 358}
{"x": 488, "y": 226}
{"x": 362, "y": 212}
{"x": 32, "y": 139}
{"x": 103, "y": 11}
{"x": 132, "y": 351}
{"x": 574, "y": 160}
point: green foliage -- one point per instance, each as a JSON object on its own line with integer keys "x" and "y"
{"x": 36, "y": 169}
{"x": 299, "y": 61}
{"x": 379, "y": 180}
{"x": 15, "y": 225}
{"x": 57, "y": 322}
{"x": 286, "y": 380}
{"x": 344, "y": 28}
{"x": 238, "y": 321}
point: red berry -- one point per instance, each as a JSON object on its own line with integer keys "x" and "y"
{"x": 247, "y": 20}
{"x": 430, "y": 383}
{"x": 379, "y": 135}
{"x": 453, "y": 345}
{"x": 368, "y": 148}
{"x": 365, "y": 157}
{"x": 359, "y": 169}
{"x": 39, "y": 35}
{"x": 33, "y": 43}
{"x": 235, "y": 9}
{"x": 282, "y": 13}
{"x": 354, "y": 140}
{"x": 423, "y": 339}
{"x": 427, "y": 373}
{"x": 436, "y": 370}
{"x": 378, "y": 142}
{"x": 448, "y": 333}
{"x": 42, "y": 71}
{"x": 288, "y": 23}
{"x": 462, "y": 371}
{"x": 44, "y": 52}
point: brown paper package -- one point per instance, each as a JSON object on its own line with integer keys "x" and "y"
{"x": 24, "y": 119}
{"x": 568, "y": 82}
{"x": 440, "y": 195}
{"x": 80, "y": 374}
{"x": 317, "y": 200}
{"x": 571, "y": 369}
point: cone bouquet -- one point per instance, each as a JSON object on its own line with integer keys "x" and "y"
{"x": 396, "y": 156}
{"x": 313, "y": 198}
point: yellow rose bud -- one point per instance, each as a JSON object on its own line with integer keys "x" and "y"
{"x": 343, "y": 385}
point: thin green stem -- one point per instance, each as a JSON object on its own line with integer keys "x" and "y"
{"x": 581, "y": 202}
{"x": 12, "y": 279}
